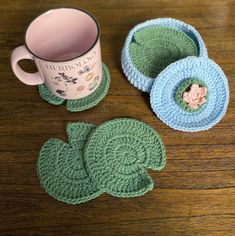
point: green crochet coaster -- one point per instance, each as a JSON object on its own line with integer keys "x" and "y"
{"x": 61, "y": 168}
{"x": 155, "y": 47}
{"x": 83, "y": 103}
{"x": 117, "y": 153}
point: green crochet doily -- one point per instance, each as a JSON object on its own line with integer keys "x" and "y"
{"x": 154, "y": 48}
{"x": 61, "y": 168}
{"x": 83, "y": 103}
{"x": 183, "y": 87}
{"x": 117, "y": 153}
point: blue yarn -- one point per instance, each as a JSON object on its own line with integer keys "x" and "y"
{"x": 136, "y": 78}
{"x": 162, "y": 96}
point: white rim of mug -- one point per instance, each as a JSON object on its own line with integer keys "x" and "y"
{"x": 72, "y": 58}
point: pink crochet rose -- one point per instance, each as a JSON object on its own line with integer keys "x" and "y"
{"x": 195, "y": 96}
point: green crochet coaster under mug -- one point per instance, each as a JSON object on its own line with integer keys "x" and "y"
{"x": 155, "y": 47}
{"x": 61, "y": 168}
{"x": 82, "y": 103}
{"x": 117, "y": 154}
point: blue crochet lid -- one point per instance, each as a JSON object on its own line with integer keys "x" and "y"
{"x": 145, "y": 83}
{"x": 163, "y": 100}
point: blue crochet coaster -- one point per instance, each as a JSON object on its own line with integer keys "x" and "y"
{"x": 163, "y": 94}
{"x": 138, "y": 79}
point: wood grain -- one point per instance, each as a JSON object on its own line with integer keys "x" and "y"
{"x": 193, "y": 195}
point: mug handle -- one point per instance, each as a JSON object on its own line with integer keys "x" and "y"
{"x": 18, "y": 54}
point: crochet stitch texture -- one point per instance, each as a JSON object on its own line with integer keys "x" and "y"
{"x": 61, "y": 168}
{"x": 111, "y": 158}
{"x": 117, "y": 153}
{"x": 135, "y": 77}
{"x": 83, "y": 103}
{"x": 164, "y": 104}
{"x": 182, "y": 88}
{"x": 155, "y": 47}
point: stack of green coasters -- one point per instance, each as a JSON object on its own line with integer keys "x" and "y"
{"x": 112, "y": 158}
{"x": 158, "y": 47}
{"x": 153, "y": 45}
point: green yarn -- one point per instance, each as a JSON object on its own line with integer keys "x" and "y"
{"x": 94, "y": 98}
{"x": 61, "y": 168}
{"x": 83, "y": 103}
{"x": 117, "y": 153}
{"x": 155, "y": 47}
{"x": 112, "y": 158}
{"x": 47, "y": 95}
{"x": 183, "y": 87}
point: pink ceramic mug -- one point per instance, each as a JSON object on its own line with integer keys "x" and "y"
{"x": 64, "y": 44}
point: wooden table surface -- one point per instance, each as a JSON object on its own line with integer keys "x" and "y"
{"x": 193, "y": 195}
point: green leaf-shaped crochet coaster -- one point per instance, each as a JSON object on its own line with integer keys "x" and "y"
{"x": 155, "y": 47}
{"x": 117, "y": 153}
{"x": 61, "y": 168}
{"x": 83, "y": 103}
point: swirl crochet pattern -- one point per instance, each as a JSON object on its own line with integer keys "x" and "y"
{"x": 133, "y": 74}
{"x": 83, "y": 103}
{"x": 61, "y": 168}
{"x": 166, "y": 107}
{"x": 117, "y": 153}
{"x": 155, "y": 47}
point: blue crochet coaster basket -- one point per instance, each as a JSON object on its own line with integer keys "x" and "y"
{"x": 138, "y": 79}
{"x": 164, "y": 102}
